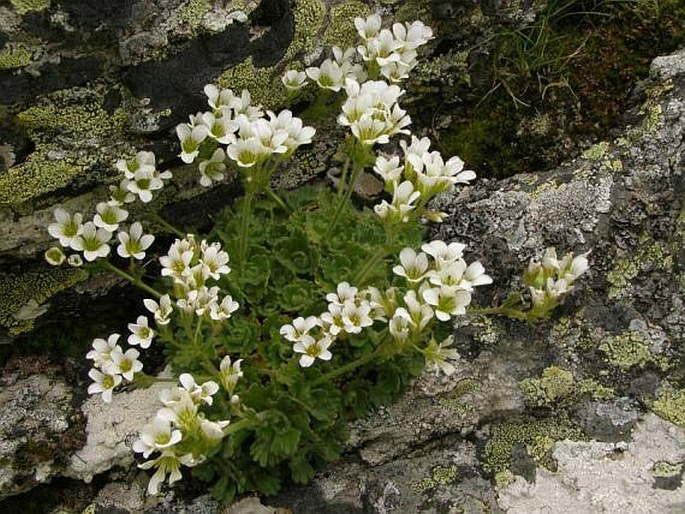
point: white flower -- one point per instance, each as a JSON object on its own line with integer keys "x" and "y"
{"x": 126, "y": 364}
{"x": 299, "y": 328}
{"x": 212, "y": 169}
{"x": 120, "y": 195}
{"x": 243, "y": 105}
{"x": 345, "y": 294}
{"x": 143, "y": 183}
{"x": 92, "y": 242}
{"x": 214, "y": 259}
{"x": 356, "y": 317}
{"x": 141, "y": 333}
{"x": 109, "y": 216}
{"x": 447, "y": 301}
{"x": 176, "y": 263}
{"x": 103, "y": 383}
{"x": 199, "y": 393}
{"x": 368, "y": 28}
{"x": 168, "y": 463}
{"x": 417, "y": 313}
{"x": 571, "y": 267}
{"x": 328, "y": 75}
{"x": 134, "y": 242}
{"x": 224, "y": 309}
{"x": 294, "y": 80}
{"x": 438, "y": 355}
{"x": 332, "y": 321}
{"x": 475, "y": 276}
{"x": 221, "y": 129}
{"x": 142, "y": 160}
{"x": 220, "y": 99}
{"x": 389, "y": 170}
{"x": 230, "y": 373}
{"x": 246, "y": 152}
{"x": 181, "y": 409}
{"x": 213, "y": 430}
{"x": 67, "y": 227}
{"x": 297, "y": 134}
{"x": 444, "y": 253}
{"x": 55, "y": 256}
{"x": 191, "y": 137}
{"x": 102, "y": 350}
{"x": 156, "y": 436}
{"x": 162, "y": 310}
{"x": 75, "y": 261}
{"x": 311, "y": 349}
{"x": 413, "y": 266}
{"x": 399, "y": 327}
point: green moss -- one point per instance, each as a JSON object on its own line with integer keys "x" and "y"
{"x": 341, "y": 30}
{"x": 670, "y": 405}
{"x": 14, "y": 57}
{"x": 24, "y": 6}
{"x": 39, "y": 284}
{"x": 629, "y": 349}
{"x": 649, "y": 255}
{"x": 440, "y": 475}
{"x": 557, "y": 386}
{"x": 538, "y": 436}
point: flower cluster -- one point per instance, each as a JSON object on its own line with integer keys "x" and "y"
{"x": 348, "y": 312}
{"x": 111, "y": 366}
{"x": 249, "y": 138}
{"x": 386, "y": 53}
{"x": 439, "y": 285}
{"x": 191, "y": 265}
{"x": 180, "y": 433}
{"x": 92, "y": 239}
{"x": 413, "y": 183}
{"x": 550, "y": 280}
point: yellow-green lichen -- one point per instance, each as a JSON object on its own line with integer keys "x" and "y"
{"x": 455, "y": 401}
{"x": 649, "y": 255}
{"x": 341, "y": 30}
{"x": 558, "y": 386}
{"x": 265, "y": 87}
{"x": 24, "y": 6}
{"x": 440, "y": 475}
{"x": 629, "y": 349}
{"x": 38, "y": 175}
{"x": 39, "y": 285}
{"x": 538, "y": 436}
{"x": 264, "y": 83}
{"x": 670, "y": 405}
{"x": 81, "y": 120}
{"x": 665, "y": 469}
{"x": 14, "y": 57}
{"x": 411, "y": 10}
{"x": 192, "y": 12}
{"x": 596, "y": 152}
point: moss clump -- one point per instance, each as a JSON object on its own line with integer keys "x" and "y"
{"x": 14, "y": 57}
{"x": 538, "y": 436}
{"x": 341, "y": 30}
{"x": 557, "y": 386}
{"x": 670, "y": 405}
{"x": 40, "y": 285}
{"x": 629, "y": 349}
{"x": 24, "y": 6}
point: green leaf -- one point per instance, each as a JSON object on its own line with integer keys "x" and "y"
{"x": 297, "y": 295}
{"x": 300, "y": 468}
{"x": 224, "y": 490}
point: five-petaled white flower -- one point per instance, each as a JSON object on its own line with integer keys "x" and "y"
{"x": 102, "y": 350}
{"x": 168, "y": 463}
{"x": 161, "y": 311}
{"x": 126, "y": 363}
{"x": 312, "y": 349}
{"x": 141, "y": 333}
{"x": 93, "y": 242}
{"x": 109, "y": 216}
{"x": 103, "y": 383}
{"x": 67, "y": 227}
{"x": 134, "y": 242}
{"x": 230, "y": 373}
{"x": 157, "y": 436}
{"x": 294, "y": 80}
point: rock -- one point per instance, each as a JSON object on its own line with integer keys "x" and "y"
{"x": 605, "y": 477}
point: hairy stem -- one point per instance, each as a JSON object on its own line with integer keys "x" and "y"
{"x": 344, "y": 199}
{"x": 245, "y": 227}
{"x": 133, "y": 280}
